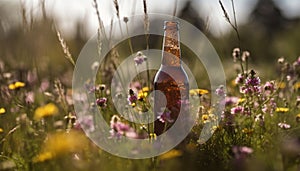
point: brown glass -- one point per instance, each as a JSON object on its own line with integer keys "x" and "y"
{"x": 171, "y": 79}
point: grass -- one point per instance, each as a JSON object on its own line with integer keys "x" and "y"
{"x": 39, "y": 130}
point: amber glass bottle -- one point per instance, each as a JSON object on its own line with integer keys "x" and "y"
{"x": 171, "y": 80}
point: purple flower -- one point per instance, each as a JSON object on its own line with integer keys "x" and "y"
{"x": 231, "y": 100}
{"x": 140, "y": 58}
{"x": 165, "y": 117}
{"x": 284, "y": 125}
{"x": 241, "y": 152}
{"x": 236, "y": 110}
{"x": 101, "y": 101}
{"x": 239, "y": 79}
{"x": 119, "y": 129}
{"x": 220, "y": 91}
{"x": 86, "y": 123}
{"x": 269, "y": 86}
{"x": 253, "y": 81}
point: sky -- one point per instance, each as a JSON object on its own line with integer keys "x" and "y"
{"x": 67, "y": 12}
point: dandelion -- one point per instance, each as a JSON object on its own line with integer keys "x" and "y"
{"x": 2, "y": 110}
{"x": 284, "y": 125}
{"x": 139, "y": 58}
{"x": 282, "y": 109}
{"x": 44, "y": 111}
{"x": 1, "y": 130}
{"x": 101, "y": 101}
{"x": 199, "y": 92}
{"x": 297, "y": 85}
{"x": 16, "y": 85}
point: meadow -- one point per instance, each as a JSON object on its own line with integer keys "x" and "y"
{"x": 258, "y": 129}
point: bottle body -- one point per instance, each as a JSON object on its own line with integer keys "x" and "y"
{"x": 170, "y": 83}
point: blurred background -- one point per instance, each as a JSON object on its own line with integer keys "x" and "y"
{"x": 269, "y": 29}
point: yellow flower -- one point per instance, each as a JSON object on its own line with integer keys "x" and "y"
{"x": 241, "y": 100}
{"x": 171, "y": 154}
{"x": 16, "y": 85}
{"x": 297, "y": 86}
{"x": 281, "y": 85}
{"x": 143, "y": 93}
{"x": 282, "y": 109}
{"x": 61, "y": 143}
{"x": 198, "y": 92}
{"x": 44, "y": 111}
{"x": 1, "y": 130}
{"x": 298, "y": 117}
{"x": 247, "y": 131}
{"x": 2, "y": 110}
{"x": 205, "y": 118}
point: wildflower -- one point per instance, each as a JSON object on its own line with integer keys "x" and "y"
{"x": 282, "y": 109}
{"x": 220, "y": 91}
{"x": 297, "y": 85}
{"x": 143, "y": 93}
{"x": 281, "y": 60}
{"x": 247, "y": 131}
{"x": 245, "y": 55}
{"x": 239, "y": 79}
{"x": 269, "y": 86}
{"x": 236, "y": 54}
{"x": 165, "y": 116}
{"x": 198, "y": 92}
{"x": 298, "y": 118}
{"x": 140, "y": 58}
{"x": 241, "y": 151}
{"x": 61, "y": 143}
{"x": 252, "y": 80}
{"x": 16, "y": 85}
{"x": 44, "y": 111}
{"x": 29, "y": 97}
{"x": 2, "y": 110}
{"x": 119, "y": 129}
{"x": 1, "y": 130}
{"x": 241, "y": 100}
{"x": 170, "y": 154}
{"x": 231, "y": 100}
{"x": 237, "y": 109}
{"x": 86, "y": 123}
{"x": 132, "y": 98}
{"x": 205, "y": 118}
{"x": 284, "y": 125}
{"x": 101, "y": 101}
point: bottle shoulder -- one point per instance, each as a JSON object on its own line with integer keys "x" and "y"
{"x": 166, "y": 73}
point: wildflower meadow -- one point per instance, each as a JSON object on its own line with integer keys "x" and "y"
{"x": 252, "y": 122}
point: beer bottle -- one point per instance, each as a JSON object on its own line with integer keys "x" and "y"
{"x": 171, "y": 82}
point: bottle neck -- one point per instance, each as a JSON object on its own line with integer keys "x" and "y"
{"x": 171, "y": 45}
